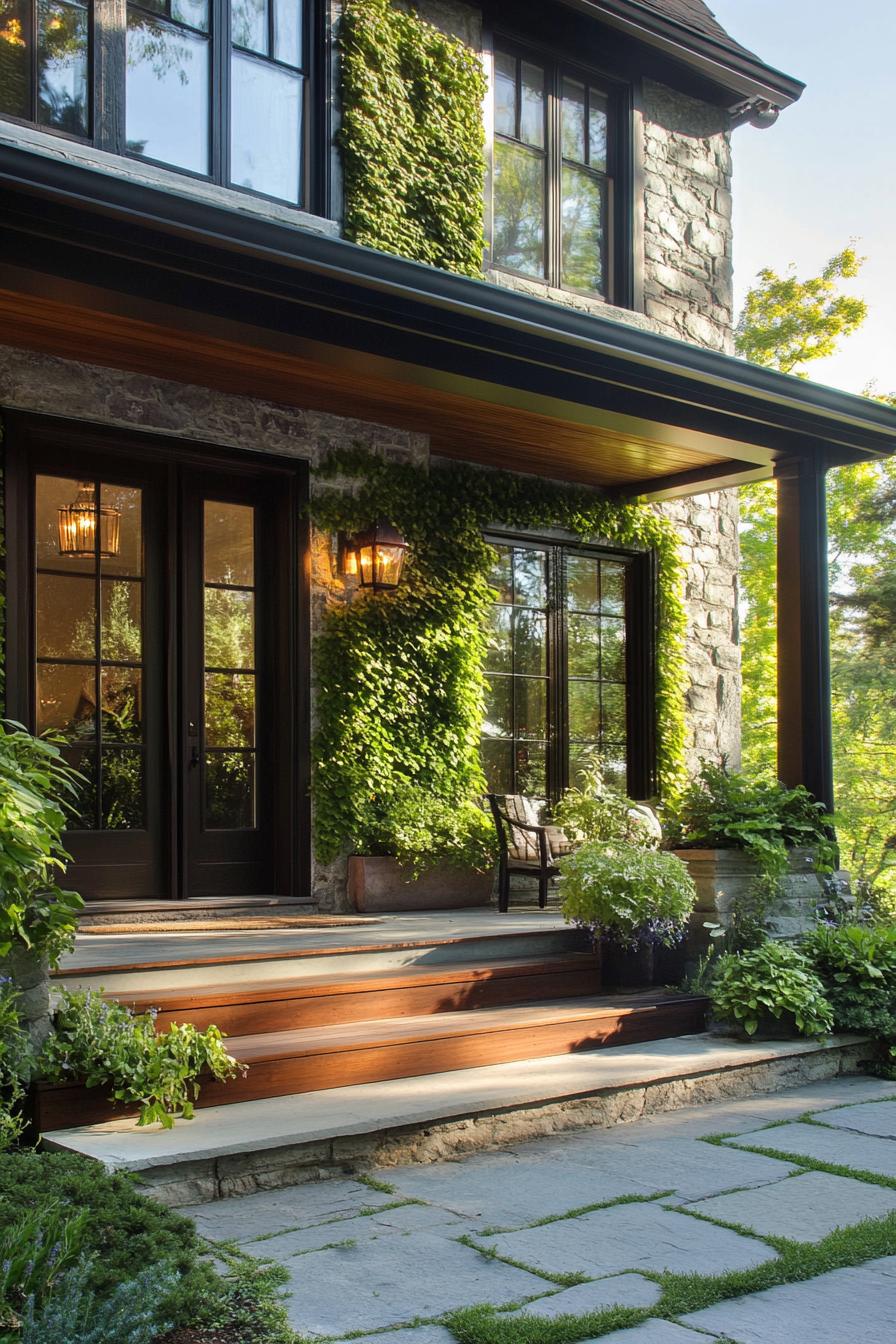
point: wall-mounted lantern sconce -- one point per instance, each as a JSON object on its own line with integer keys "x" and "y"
{"x": 375, "y": 556}
{"x": 77, "y": 525}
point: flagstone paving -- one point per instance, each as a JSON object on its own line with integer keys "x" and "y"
{"x": 388, "y": 1260}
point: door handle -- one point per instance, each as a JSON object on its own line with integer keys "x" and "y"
{"x": 193, "y": 735}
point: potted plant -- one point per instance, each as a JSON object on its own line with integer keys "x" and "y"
{"x": 428, "y": 854}
{"x": 631, "y": 900}
{"x": 770, "y": 991}
{"x": 757, "y": 852}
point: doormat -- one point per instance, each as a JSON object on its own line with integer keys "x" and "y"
{"x": 230, "y": 925}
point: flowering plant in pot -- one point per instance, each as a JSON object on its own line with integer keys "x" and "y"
{"x": 631, "y": 900}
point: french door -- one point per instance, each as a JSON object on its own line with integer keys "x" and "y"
{"x": 161, "y": 604}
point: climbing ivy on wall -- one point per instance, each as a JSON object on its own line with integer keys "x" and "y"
{"x": 412, "y": 137}
{"x": 399, "y": 675}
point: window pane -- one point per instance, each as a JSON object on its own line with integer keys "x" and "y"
{"x": 230, "y": 709}
{"x": 66, "y": 701}
{"x": 229, "y": 790}
{"x": 167, "y": 93}
{"x": 65, "y": 617}
{"x": 501, "y": 576}
{"x": 192, "y": 12}
{"x": 229, "y": 628}
{"x": 582, "y": 583}
{"x": 497, "y": 763}
{"x": 499, "y": 654}
{"x": 584, "y": 710}
{"x": 266, "y": 123}
{"x": 122, "y": 789}
{"x": 581, "y": 760}
{"x": 613, "y": 712}
{"x": 505, "y": 94}
{"x": 532, "y": 104}
{"x": 15, "y": 59}
{"x": 614, "y": 765}
{"x": 81, "y": 811}
{"x": 53, "y": 493}
{"x": 288, "y": 31}
{"x": 573, "y": 120}
{"x": 122, "y": 633}
{"x": 62, "y": 67}
{"x": 229, "y": 543}
{"x": 529, "y": 578}
{"x": 597, "y": 131}
{"x": 125, "y": 527}
{"x": 582, "y": 231}
{"x": 612, "y": 650}
{"x": 249, "y": 25}
{"x": 531, "y": 707}
{"x": 583, "y": 645}
{"x": 612, "y": 588}
{"x": 122, "y": 704}
{"x": 518, "y": 202}
{"x": 531, "y": 769}
{"x": 530, "y": 642}
{"x": 498, "y": 707}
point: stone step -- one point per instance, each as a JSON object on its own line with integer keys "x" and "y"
{"x": 281, "y": 1063}
{"x": 288, "y": 1140}
{"x": 324, "y": 1000}
{"x": 122, "y": 964}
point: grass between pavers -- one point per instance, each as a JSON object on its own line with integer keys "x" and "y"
{"x": 684, "y": 1293}
{"x": 578, "y": 1212}
{"x": 367, "y": 1211}
{"x": 807, "y": 1163}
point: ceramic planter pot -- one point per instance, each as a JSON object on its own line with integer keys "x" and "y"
{"x": 627, "y": 967}
{"x": 380, "y": 884}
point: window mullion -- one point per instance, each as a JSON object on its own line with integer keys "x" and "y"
{"x": 554, "y": 156}
{"x": 109, "y": 74}
{"x": 220, "y": 91}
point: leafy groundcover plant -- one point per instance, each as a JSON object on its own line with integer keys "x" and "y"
{"x": 107, "y": 1045}
{"x": 73, "y": 1242}
{"x": 857, "y": 966}
{"x": 422, "y": 832}
{"x": 15, "y": 1065}
{"x": 634, "y": 896}
{"x": 774, "y": 981}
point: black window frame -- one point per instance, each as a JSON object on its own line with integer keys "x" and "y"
{"x": 619, "y": 261}
{"x": 107, "y": 71}
{"x": 641, "y": 620}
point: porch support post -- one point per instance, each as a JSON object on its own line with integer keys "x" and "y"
{"x": 805, "y": 734}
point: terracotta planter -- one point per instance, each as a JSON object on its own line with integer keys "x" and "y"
{"x": 377, "y": 883}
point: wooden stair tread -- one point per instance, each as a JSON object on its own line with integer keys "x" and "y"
{"x": 287, "y": 987}
{"x": 481, "y": 1021}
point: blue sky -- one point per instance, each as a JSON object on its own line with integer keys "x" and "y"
{"x": 826, "y": 172}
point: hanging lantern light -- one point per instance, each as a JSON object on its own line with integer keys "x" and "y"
{"x": 78, "y": 526}
{"x": 381, "y": 552}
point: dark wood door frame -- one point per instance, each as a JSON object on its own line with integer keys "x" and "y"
{"x": 31, "y": 439}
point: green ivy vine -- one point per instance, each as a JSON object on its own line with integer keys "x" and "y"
{"x": 399, "y": 675}
{"x": 412, "y": 137}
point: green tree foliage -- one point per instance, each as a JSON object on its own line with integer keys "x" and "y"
{"x": 785, "y": 324}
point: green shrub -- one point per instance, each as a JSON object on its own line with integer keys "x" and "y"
{"x": 34, "y": 1250}
{"x": 422, "y": 831}
{"x": 35, "y": 784}
{"x": 633, "y": 895}
{"x": 596, "y": 812}
{"x": 73, "y": 1314}
{"x": 857, "y": 965}
{"x": 772, "y": 980}
{"x": 15, "y": 1065}
{"x": 107, "y": 1045}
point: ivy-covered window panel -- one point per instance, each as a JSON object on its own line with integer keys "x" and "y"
{"x": 214, "y": 88}
{"x": 557, "y": 679}
{"x": 552, "y": 185}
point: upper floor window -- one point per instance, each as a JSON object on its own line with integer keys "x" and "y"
{"x": 208, "y": 87}
{"x": 553, "y": 189}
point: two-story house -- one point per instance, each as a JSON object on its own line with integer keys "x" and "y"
{"x": 228, "y": 247}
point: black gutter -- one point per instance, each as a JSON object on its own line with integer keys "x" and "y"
{"x": 116, "y": 218}
{"x": 730, "y": 66}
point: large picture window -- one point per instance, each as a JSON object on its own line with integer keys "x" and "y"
{"x": 209, "y": 87}
{"x": 562, "y": 679}
{"x": 554, "y": 169}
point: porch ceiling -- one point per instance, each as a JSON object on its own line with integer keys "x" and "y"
{"x": 96, "y": 268}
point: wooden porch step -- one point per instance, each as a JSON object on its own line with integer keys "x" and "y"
{"x": 314, "y": 1059}
{"x": 288, "y": 1003}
